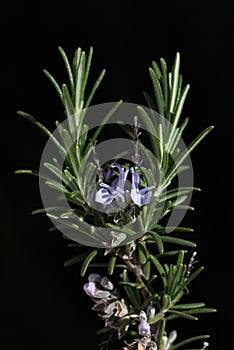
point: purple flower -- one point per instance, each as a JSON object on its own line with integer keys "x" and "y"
{"x": 144, "y": 328}
{"x": 108, "y": 193}
{"x": 140, "y": 197}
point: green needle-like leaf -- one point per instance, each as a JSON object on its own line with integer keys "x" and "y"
{"x": 103, "y": 122}
{"x": 190, "y": 340}
{"x": 182, "y": 315}
{"x": 204, "y": 310}
{"x": 184, "y": 155}
{"x": 180, "y": 259}
{"x": 160, "y": 269}
{"x": 95, "y": 87}
{"x": 142, "y": 251}
{"x": 147, "y": 269}
{"x": 44, "y": 129}
{"x": 157, "y": 91}
{"x": 111, "y": 264}
{"x": 87, "y": 261}
{"x": 179, "y": 241}
{"x": 88, "y": 65}
{"x": 189, "y": 279}
{"x": 165, "y": 82}
{"x": 149, "y": 300}
{"x": 158, "y": 241}
{"x": 176, "y": 278}
{"x": 156, "y": 318}
{"x": 68, "y": 67}
{"x": 157, "y": 70}
{"x": 175, "y": 79}
{"x": 76, "y": 259}
{"x": 69, "y": 109}
{"x": 148, "y": 285}
{"x": 180, "y": 105}
{"x": 79, "y": 82}
{"x": 55, "y": 84}
{"x": 166, "y": 302}
{"x": 29, "y": 172}
{"x": 188, "y": 306}
{"x": 58, "y": 172}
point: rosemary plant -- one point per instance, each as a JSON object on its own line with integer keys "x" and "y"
{"x": 117, "y": 210}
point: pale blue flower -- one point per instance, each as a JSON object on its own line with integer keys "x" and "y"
{"x": 143, "y": 196}
{"x": 107, "y": 193}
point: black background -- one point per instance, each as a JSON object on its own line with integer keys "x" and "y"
{"x": 43, "y": 304}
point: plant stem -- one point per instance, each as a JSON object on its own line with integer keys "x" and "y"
{"x": 137, "y": 270}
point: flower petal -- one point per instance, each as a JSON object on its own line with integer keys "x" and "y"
{"x": 108, "y": 174}
{"x": 136, "y": 197}
{"x": 145, "y": 198}
{"x": 111, "y": 189}
{"x": 103, "y": 196}
{"x": 140, "y": 199}
{"x": 90, "y": 288}
{"x": 146, "y": 189}
{"x": 135, "y": 179}
{"x": 122, "y": 173}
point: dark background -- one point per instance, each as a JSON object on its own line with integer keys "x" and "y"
{"x": 43, "y": 304}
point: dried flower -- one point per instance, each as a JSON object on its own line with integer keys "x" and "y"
{"x": 111, "y": 309}
{"x": 90, "y": 288}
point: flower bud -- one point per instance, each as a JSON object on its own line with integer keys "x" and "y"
{"x": 172, "y": 337}
{"x": 144, "y": 328}
{"x": 150, "y": 312}
{"x": 142, "y": 316}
